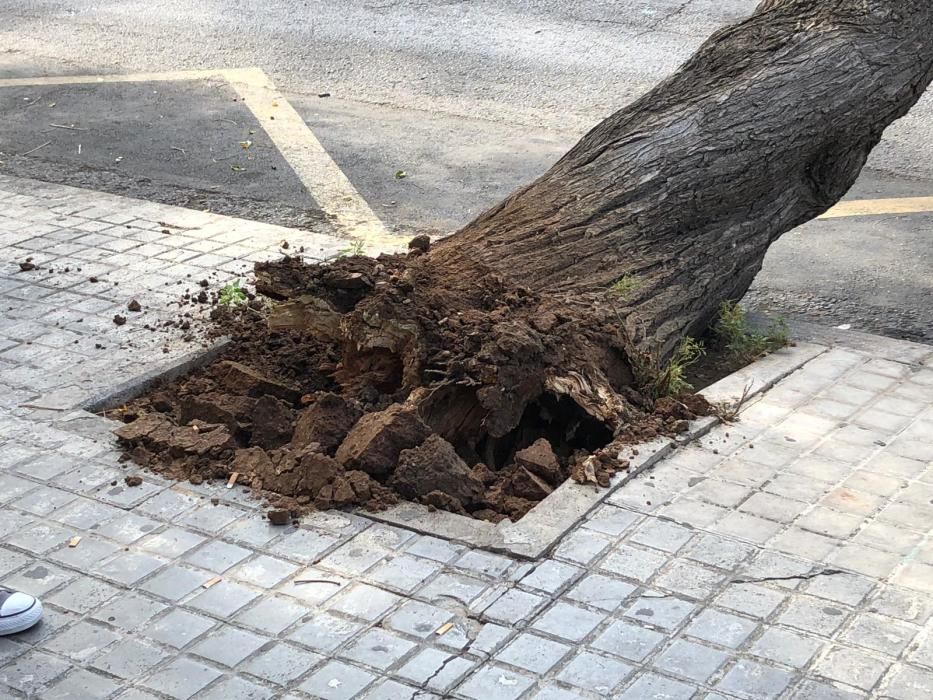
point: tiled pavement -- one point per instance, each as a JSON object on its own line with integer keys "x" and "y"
{"x": 786, "y": 556}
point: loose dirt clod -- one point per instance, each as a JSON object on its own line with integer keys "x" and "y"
{"x": 279, "y": 517}
{"x": 119, "y": 320}
{"x": 133, "y": 480}
{"x": 134, "y": 306}
{"x": 309, "y": 419}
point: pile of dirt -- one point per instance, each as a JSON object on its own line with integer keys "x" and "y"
{"x": 288, "y": 412}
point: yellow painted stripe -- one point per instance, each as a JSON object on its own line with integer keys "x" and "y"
{"x": 121, "y": 78}
{"x": 321, "y": 176}
{"x": 876, "y": 207}
{"x": 324, "y": 179}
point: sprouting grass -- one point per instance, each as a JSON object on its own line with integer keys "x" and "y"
{"x": 624, "y": 286}
{"x": 670, "y": 379}
{"x": 741, "y": 340}
{"x": 354, "y": 249}
{"x": 232, "y": 294}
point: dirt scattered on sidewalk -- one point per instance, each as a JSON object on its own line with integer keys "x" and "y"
{"x": 302, "y": 426}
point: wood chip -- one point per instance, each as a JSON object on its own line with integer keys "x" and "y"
{"x": 73, "y": 542}
{"x": 444, "y": 629}
{"x": 232, "y": 480}
{"x": 211, "y": 582}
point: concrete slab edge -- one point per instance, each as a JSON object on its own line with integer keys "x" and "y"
{"x": 140, "y": 384}
{"x": 542, "y": 528}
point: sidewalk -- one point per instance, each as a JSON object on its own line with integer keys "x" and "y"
{"x": 786, "y": 556}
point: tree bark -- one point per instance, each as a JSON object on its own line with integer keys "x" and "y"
{"x": 766, "y": 127}
{"x": 679, "y": 195}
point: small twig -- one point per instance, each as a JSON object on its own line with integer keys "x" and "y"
{"x": 70, "y": 128}
{"x": 40, "y": 408}
{"x": 226, "y": 120}
{"x": 316, "y": 580}
{"x": 47, "y": 143}
{"x": 181, "y": 150}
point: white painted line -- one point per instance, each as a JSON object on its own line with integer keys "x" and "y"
{"x": 321, "y": 176}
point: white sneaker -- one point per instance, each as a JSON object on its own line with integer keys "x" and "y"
{"x": 18, "y": 611}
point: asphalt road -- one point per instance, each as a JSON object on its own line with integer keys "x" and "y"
{"x": 470, "y": 99}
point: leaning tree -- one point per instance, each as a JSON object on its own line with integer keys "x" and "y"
{"x": 672, "y": 202}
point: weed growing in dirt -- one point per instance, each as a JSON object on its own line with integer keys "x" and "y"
{"x": 624, "y": 286}
{"x": 670, "y": 380}
{"x": 728, "y": 411}
{"x": 232, "y": 295}
{"x": 355, "y": 249}
{"x": 744, "y": 342}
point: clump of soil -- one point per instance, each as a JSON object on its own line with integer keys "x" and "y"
{"x": 290, "y": 412}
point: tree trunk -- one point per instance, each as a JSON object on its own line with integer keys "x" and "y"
{"x": 675, "y": 197}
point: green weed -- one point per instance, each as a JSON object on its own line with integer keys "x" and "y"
{"x": 741, "y": 340}
{"x": 624, "y": 286}
{"x": 232, "y": 295}
{"x": 669, "y": 379}
{"x": 354, "y": 249}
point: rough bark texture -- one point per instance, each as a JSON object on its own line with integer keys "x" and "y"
{"x": 766, "y": 127}
{"x": 509, "y": 346}
{"x": 678, "y": 195}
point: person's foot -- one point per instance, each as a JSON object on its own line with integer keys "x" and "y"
{"x": 18, "y": 611}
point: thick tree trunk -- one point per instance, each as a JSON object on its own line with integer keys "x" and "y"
{"x": 766, "y": 127}
{"x": 679, "y": 195}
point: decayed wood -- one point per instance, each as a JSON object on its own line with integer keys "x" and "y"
{"x": 308, "y": 313}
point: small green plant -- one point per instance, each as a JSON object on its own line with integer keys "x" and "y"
{"x": 624, "y": 286}
{"x": 728, "y": 411}
{"x": 232, "y": 295}
{"x": 354, "y": 249}
{"x": 669, "y": 379}
{"x": 741, "y": 340}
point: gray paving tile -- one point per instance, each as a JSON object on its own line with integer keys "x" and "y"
{"x": 491, "y": 682}
{"x": 533, "y": 653}
{"x": 786, "y": 647}
{"x": 325, "y": 632}
{"x": 630, "y": 641}
{"x": 418, "y": 619}
{"x": 658, "y": 610}
{"x": 690, "y": 660}
{"x": 378, "y": 648}
{"x": 181, "y": 679}
{"x": 280, "y": 663}
{"x": 229, "y": 645}
{"x": 568, "y": 622}
{"x": 748, "y": 679}
{"x": 272, "y": 615}
{"x": 852, "y": 667}
{"x": 596, "y": 673}
{"x": 80, "y": 683}
{"x": 178, "y": 628}
{"x": 28, "y": 672}
{"x": 651, "y": 685}
{"x": 337, "y": 681}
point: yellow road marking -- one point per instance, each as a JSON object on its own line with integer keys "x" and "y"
{"x": 324, "y": 179}
{"x": 318, "y": 172}
{"x": 875, "y": 207}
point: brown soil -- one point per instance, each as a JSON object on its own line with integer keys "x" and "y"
{"x": 307, "y": 423}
